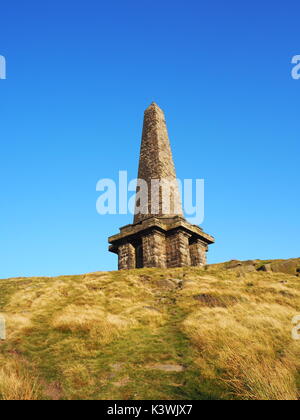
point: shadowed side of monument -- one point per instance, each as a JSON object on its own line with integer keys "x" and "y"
{"x": 159, "y": 236}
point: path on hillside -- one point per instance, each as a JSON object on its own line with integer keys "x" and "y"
{"x": 156, "y": 363}
{"x": 153, "y": 360}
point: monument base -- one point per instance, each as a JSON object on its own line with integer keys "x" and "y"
{"x": 162, "y": 242}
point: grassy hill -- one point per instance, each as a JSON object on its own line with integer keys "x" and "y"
{"x": 219, "y": 332}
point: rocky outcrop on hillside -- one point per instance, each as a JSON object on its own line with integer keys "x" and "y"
{"x": 291, "y": 266}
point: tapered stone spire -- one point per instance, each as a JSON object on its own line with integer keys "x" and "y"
{"x": 157, "y": 169}
{"x": 159, "y": 236}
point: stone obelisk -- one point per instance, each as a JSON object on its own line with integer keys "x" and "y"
{"x": 156, "y": 164}
{"x": 159, "y": 235}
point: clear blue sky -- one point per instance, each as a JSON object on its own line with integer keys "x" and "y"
{"x": 79, "y": 76}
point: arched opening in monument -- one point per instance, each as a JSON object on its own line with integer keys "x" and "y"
{"x": 139, "y": 257}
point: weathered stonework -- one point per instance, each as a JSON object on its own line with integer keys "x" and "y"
{"x": 178, "y": 254}
{"x": 159, "y": 235}
{"x": 126, "y": 253}
{"x": 156, "y": 163}
{"x": 154, "y": 249}
{"x": 198, "y": 251}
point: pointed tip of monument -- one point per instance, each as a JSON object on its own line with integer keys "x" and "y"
{"x": 154, "y": 105}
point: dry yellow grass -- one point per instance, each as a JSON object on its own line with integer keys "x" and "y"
{"x": 95, "y": 336}
{"x": 243, "y": 332}
{"x": 17, "y": 382}
{"x": 100, "y": 325}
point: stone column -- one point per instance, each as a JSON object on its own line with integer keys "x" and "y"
{"x": 178, "y": 253}
{"x": 126, "y": 253}
{"x": 154, "y": 250}
{"x": 198, "y": 251}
